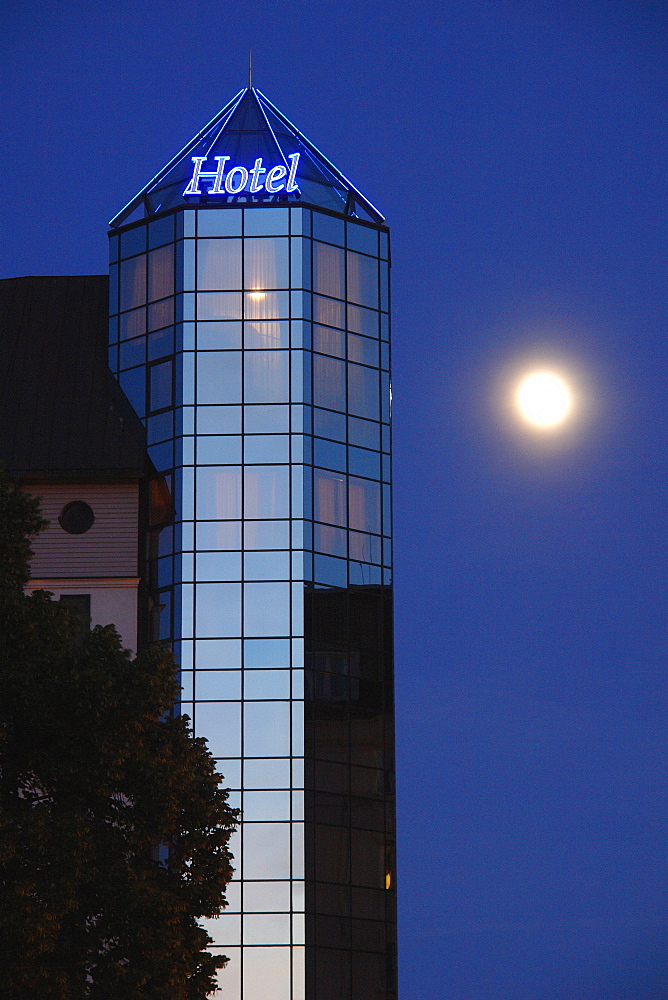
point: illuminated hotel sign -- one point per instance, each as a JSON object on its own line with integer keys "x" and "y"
{"x": 238, "y": 179}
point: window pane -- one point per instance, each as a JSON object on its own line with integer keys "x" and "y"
{"x": 267, "y": 534}
{"x": 267, "y": 731}
{"x": 267, "y": 685}
{"x": 364, "y": 498}
{"x": 327, "y": 311}
{"x": 267, "y": 566}
{"x": 220, "y": 724}
{"x": 266, "y": 263}
{"x": 267, "y": 335}
{"x": 161, "y": 385}
{"x": 161, "y": 314}
{"x": 329, "y": 386}
{"x": 266, "y": 377}
{"x": 218, "y": 264}
{"x": 272, "y": 805}
{"x": 328, "y": 274}
{"x": 266, "y": 419}
{"x": 267, "y": 491}
{"x": 218, "y": 685}
{"x": 133, "y": 324}
{"x": 330, "y": 497}
{"x": 219, "y": 492}
{"x": 133, "y": 283}
{"x": 218, "y": 335}
{"x": 363, "y": 393}
{"x": 218, "y": 613}
{"x": 219, "y": 450}
{"x": 220, "y": 535}
{"x": 161, "y": 273}
{"x": 266, "y": 853}
{"x": 362, "y": 349}
{"x": 263, "y": 897}
{"x": 266, "y": 609}
{"x": 362, "y": 279}
{"x": 266, "y": 222}
{"x": 266, "y": 305}
{"x": 267, "y": 773}
{"x": 329, "y": 341}
{"x": 219, "y": 377}
{"x": 219, "y": 305}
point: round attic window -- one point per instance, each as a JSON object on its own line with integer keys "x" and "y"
{"x": 76, "y": 517}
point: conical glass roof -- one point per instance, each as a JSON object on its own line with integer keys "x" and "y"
{"x": 250, "y": 153}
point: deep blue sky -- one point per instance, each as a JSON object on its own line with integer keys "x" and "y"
{"x": 518, "y": 150}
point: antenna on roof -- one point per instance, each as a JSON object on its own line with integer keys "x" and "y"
{"x": 250, "y": 69}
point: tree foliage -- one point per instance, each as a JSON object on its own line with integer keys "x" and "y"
{"x": 113, "y": 825}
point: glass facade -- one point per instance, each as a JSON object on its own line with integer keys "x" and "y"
{"x": 253, "y": 340}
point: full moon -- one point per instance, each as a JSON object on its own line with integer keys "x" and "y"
{"x": 544, "y": 399}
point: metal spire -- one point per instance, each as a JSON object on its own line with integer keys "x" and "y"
{"x": 250, "y": 69}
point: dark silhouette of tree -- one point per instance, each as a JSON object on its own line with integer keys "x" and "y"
{"x": 113, "y": 824}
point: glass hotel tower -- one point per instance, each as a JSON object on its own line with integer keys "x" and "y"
{"x": 250, "y": 330}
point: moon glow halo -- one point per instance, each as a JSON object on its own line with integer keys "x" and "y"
{"x": 544, "y": 400}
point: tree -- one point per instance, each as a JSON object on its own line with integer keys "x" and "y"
{"x": 113, "y": 826}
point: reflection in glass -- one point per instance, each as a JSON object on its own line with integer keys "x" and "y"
{"x": 267, "y": 730}
{"x": 363, "y": 393}
{"x": 362, "y": 279}
{"x": 266, "y": 684}
{"x": 266, "y": 609}
{"x": 218, "y": 492}
{"x": 217, "y": 654}
{"x": 267, "y": 534}
{"x": 218, "y": 685}
{"x": 267, "y": 773}
{"x": 219, "y": 419}
{"x": 266, "y": 377}
{"x": 266, "y": 305}
{"x": 267, "y": 565}
{"x": 267, "y": 335}
{"x": 133, "y": 283}
{"x": 220, "y": 723}
{"x": 218, "y": 566}
{"x": 218, "y": 305}
{"x": 271, "y": 805}
{"x": 160, "y": 385}
{"x": 330, "y": 497}
{"x": 266, "y": 448}
{"x": 267, "y": 973}
{"x": 160, "y": 314}
{"x": 218, "y": 264}
{"x": 266, "y": 851}
{"x": 267, "y": 653}
{"x": 219, "y": 450}
{"x": 267, "y": 897}
{"x": 328, "y": 311}
{"x": 266, "y": 419}
{"x": 161, "y": 273}
{"x": 266, "y": 491}
{"x": 329, "y": 341}
{"x": 218, "y": 611}
{"x": 219, "y": 377}
{"x": 221, "y": 535}
{"x": 267, "y": 928}
{"x": 266, "y": 263}
{"x": 329, "y": 382}
{"x": 364, "y": 500}
{"x": 219, "y": 336}
{"x": 328, "y": 270}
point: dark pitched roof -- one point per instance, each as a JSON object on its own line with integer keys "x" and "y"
{"x": 250, "y": 126}
{"x": 61, "y": 410}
